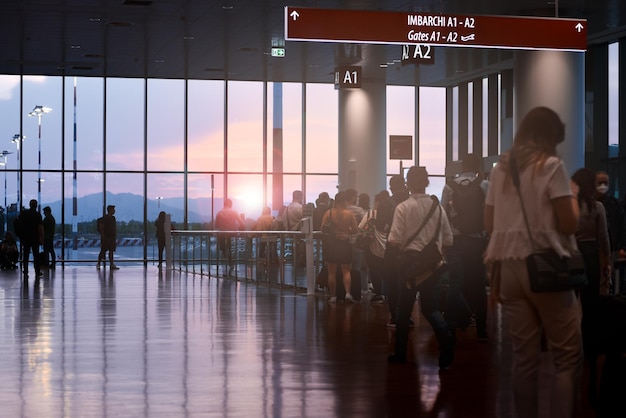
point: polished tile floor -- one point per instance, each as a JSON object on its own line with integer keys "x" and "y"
{"x": 139, "y": 343}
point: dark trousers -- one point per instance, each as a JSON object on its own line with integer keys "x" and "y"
{"x": 160, "y": 248}
{"x": 467, "y": 278}
{"x": 429, "y": 305}
{"x": 377, "y": 270}
{"x": 48, "y": 249}
{"x": 391, "y": 279}
{"x": 225, "y": 245}
{"x": 27, "y": 247}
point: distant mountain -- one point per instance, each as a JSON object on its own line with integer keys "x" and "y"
{"x": 129, "y": 207}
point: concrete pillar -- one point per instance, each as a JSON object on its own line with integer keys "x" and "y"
{"x": 362, "y": 133}
{"x": 554, "y": 79}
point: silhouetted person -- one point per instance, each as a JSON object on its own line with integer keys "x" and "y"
{"x": 384, "y": 218}
{"x": 9, "y": 254}
{"x": 228, "y": 219}
{"x": 108, "y": 237}
{"x": 322, "y": 205}
{"x": 49, "y": 224}
{"x": 463, "y": 198}
{"x": 31, "y": 237}
{"x": 160, "y": 235}
{"x": 292, "y": 218}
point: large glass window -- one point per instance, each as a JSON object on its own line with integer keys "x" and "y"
{"x": 613, "y": 80}
{"x": 432, "y": 125}
{"x": 455, "y": 123}
{"x": 245, "y": 126}
{"x": 204, "y": 202}
{"x": 125, "y": 111}
{"x": 400, "y": 119}
{"x": 246, "y": 192}
{"x": 322, "y": 129}
{"x": 10, "y": 127}
{"x": 165, "y": 194}
{"x": 292, "y": 127}
{"x": 205, "y": 110}
{"x": 166, "y": 128}
{"x": 84, "y": 121}
{"x": 42, "y": 132}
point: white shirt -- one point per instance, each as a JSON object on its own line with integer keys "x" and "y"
{"x": 408, "y": 217}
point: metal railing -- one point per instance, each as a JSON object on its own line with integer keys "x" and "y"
{"x": 284, "y": 259}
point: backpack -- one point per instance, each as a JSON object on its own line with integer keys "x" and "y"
{"x": 468, "y": 202}
{"x": 100, "y": 225}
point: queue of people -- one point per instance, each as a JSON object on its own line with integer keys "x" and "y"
{"x": 482, "y": 227}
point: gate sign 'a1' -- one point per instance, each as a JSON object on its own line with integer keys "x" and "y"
{"x": 474, "y": 31}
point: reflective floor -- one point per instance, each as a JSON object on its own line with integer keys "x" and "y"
{"x": 137, "y": 343}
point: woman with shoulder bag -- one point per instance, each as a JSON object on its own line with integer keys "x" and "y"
{"x": 337, "y": 247}
{"x": 545, "y": 196}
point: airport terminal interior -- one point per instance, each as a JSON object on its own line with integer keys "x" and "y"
{"x": 176, "y": 105}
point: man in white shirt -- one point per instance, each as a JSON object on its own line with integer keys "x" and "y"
{"x": 407, "y": 219}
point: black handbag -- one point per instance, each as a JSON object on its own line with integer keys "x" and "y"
{"x": 548, "y": 271}
{"x": 414, "y": 265}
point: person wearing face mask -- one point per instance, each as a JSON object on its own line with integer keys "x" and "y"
{"x": 616, "y": 224}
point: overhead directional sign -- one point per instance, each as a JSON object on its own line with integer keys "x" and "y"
{"x": 474, "y": 31}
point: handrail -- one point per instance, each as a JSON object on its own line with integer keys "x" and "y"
{"x": 275, "y": 258}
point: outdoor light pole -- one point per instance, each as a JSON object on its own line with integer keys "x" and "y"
{"x": 17, "y": 140}
{"x": 159, "y": 198}
{"x": 39, "y": 111}
{"x": 4, "y": 154}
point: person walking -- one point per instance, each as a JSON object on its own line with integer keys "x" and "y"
{"x": 535, "y": 319}
{"x": 49, "y": 225}
{"x": 108, "y": 237}
{"x": 420, "y": 212}
{"x": 160, "y": 235}
{"x": 384, "y": 219}
{"x": 463, "y": 198}
{"x": 31, "y": 237}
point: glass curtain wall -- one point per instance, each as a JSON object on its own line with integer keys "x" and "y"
{"x": 151, "y": 145}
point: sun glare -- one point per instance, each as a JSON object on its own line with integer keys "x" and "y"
{"x": 250, "y": 202}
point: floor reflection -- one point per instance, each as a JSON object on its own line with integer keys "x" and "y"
{"x": 147, "y": 343}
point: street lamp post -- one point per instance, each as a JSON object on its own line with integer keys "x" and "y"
{"x": 159, "y": 198}
{"x": 4, "y": 154}
{"x": 39, "y": 111}
{"x": 17, "y": 140}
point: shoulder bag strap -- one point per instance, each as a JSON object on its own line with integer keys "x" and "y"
{"x": 430, "y": 213}
{"x": 516, "y": 183}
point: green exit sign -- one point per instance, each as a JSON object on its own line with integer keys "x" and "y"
{"x": 278, "y": 52}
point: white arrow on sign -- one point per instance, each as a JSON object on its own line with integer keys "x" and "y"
{"x": 579, "y": 27}
{"x": 295, "y": 15}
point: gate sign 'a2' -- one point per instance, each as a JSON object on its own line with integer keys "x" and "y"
{"x": 474, "y": 31}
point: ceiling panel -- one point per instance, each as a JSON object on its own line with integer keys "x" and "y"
{"x": 231, "y": 39}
